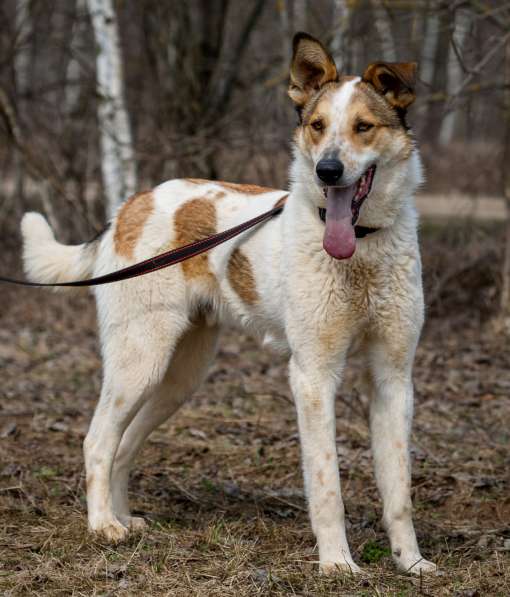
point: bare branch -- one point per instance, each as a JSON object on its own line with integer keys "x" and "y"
{"x": 475, "y": 71}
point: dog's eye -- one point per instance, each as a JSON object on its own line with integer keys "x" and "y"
{"x": 317, "y": 125}
{"x": 363, "y": 127}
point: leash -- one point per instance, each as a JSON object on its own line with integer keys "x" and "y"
{"x": 174, "y": 256}
{"x": 166, "y": 259}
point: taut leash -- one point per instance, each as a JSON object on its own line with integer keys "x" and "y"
{"x": 174, "y": 256}
{"x": 166, "y": 259}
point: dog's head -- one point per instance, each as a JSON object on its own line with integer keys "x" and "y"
{"x": 352, "y": 133}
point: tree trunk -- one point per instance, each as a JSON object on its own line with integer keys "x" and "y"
{"x": 22, "y": 63}
{"x": 505, "y": 274}
{"x": 73, "y": 67}
{"x": 454, "y": 74}
{"x": 300, "y": 15}
{"x": 430, "y": 45}
{"x": 428, "y": 60}
{"x": 282, "y": 6}
{"x": 382, "y": 24}
{"x": 339, "y": 43}
{"x": 118, "y": 162}
{"x": 22, "y": 58}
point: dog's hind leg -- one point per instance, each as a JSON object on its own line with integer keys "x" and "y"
{"x": 391, "y": 412}
{"x": 188, "y": 367}
{"x": 136, "y": 354}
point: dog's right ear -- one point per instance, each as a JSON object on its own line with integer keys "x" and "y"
{"x": 311, "y": 68}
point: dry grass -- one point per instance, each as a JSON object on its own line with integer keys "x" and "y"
{"x": 222, "y": 483}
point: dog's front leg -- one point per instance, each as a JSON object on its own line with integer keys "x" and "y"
{"x": 391, "y": 412}
{"x": 314, "y": 394}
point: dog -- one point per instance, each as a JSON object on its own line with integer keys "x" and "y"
{"x": 303, "y": 282}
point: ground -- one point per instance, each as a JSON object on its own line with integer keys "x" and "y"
{"x": 221, "y": 483}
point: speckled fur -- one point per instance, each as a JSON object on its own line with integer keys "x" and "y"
{"x": 159, "y": 332}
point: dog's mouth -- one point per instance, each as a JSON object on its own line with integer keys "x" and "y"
{"x": 343, "y": 205}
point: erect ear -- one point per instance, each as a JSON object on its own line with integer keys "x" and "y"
{"x": 395, "y": 80}
{"x": 310, "y": 69}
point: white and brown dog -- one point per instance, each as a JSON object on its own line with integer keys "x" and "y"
{"x": 302, "y": 279}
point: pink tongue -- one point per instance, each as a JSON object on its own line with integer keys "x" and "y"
{"x": 339, "y": 236}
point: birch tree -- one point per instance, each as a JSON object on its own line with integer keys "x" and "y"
{"x": 454, "y": 73}
{"x": 382, "y": 24}
{"x": 117, "y": 161}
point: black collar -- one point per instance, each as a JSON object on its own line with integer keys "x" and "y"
{"x": 360, "y": 231}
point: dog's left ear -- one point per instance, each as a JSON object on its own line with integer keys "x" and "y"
{"x": 395, "y": 80}
{"x": 312, "y": 67}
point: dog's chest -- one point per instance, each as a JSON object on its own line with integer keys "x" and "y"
{"x": 361, "y": 291}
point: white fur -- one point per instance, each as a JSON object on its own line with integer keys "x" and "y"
{"x": 47, "y": 261}
{"x": 155, "y": 352}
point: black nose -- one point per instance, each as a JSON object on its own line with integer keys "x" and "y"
{"x": 330, "y": 171}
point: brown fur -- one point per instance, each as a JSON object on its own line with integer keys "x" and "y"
{"x": 130, "y": 222}
{"x": 194, "y": 220}
{"x": 396, "y": 81}
{"x": 311, "y": 68}
{"x": 379, "y": 108}
{"x": 241, "y": 278}
{"x": 369, "y": 106}
{"x": 310, "y": 110}
{"x": 248, "y": 189}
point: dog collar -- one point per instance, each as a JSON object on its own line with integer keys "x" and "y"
{"x": 360, "y": 231}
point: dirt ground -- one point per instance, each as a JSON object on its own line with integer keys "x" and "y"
{"x": 221, "y": 483}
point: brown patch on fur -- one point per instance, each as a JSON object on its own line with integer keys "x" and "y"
{"x": 312, "y": 67}
{"x": 319, "y": 109}
{"x": 384, "y": 114}
{"x": 320, "y": 477}
{"x": 396, "y": 81}
{"x": 247, "y": 189}
{"x": 331, "y": 493}
{"x": 197, "y": 180}
{"x": 193, "y": 221}
{"x": 241, "y": 278}
{"x": 118, "y": 402}
{"x": 90, "y": 481}
{"x": 130, "y": 222}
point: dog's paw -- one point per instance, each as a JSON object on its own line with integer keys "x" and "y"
{"x": 343, "y": 567}
{"x": 136, "y": 523}
{"x": 113, "y": 531}
{"x": 133, "y": 523}
{"x": 416, "y": 565}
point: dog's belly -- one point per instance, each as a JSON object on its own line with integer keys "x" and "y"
{"x": 262, "y": 320}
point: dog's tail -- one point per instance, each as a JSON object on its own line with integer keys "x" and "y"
{"x": 47, "y": 261}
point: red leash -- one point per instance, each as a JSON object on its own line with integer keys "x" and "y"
{"x": 163, "y": 260}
